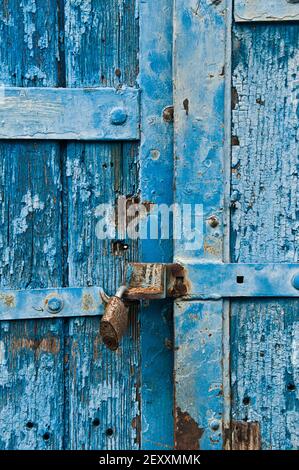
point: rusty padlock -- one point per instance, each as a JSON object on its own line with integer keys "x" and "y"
{"x": 115, "y": 320}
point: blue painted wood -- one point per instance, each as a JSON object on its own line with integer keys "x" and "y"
{"x": 199, "y": 179}
{"x": 69, "y": 113}
{"x": 59, "y": 387}
{"x": 265, "y": 227}
{"x": 155, "y": 186}
{"x": 271, "y": 10}
{"x": 31, "y": 360}
{"x": 102, "y": 389}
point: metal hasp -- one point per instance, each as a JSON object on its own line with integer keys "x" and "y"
{"x": 154, "y": 281}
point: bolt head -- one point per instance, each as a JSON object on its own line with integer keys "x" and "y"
{"x": 213, "y": 221}
{"x": 215, "y": 425}
{"x": 54, "y": 305}
{"x": 118, "y": 116}
{"x": 295, "y": 281}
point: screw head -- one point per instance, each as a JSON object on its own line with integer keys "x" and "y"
{"x": 213, "y": 221}
{"x": 215, "y": 425}
{"x": 54, "y": 305}
{"x": 118, "y": 116}
{"x": 295, "y": 281}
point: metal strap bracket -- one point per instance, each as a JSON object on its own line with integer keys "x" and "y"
{"x": 154, "y": 281}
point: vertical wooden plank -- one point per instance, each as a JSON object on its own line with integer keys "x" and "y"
{"x": 31, "y": 360}
{"x": 199, "y": 158}
{"x": 265, "y": 227}
{"x": 102, "y": 387}
{"x": 156, "y": 187}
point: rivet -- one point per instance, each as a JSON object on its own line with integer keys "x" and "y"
{"x": 295, "y": 281}
{"x": 215, "y": 425}
{"x": 118, "y": 116}
{"x": 54, "y": 305}
{"x": 213, "y": 221}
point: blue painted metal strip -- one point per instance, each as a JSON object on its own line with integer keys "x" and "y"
{"x": 198, "y": 369}
{"x": 199, "y": 158}
{"x": 69, "y": 113}
{"x": 216, "y": 281}
{"x": 271, "y": 10}
{"x": 37, "y": 303}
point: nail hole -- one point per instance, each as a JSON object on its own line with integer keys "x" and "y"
{"x": 96, "y": 422}
{"x": 240, "y": 279}
{"x": 246, "y": 400}
{"x": 46, "y": 436}
{"x": 186, "y": 105}
{"x": 291, "y": 387}
{"x": 109, "y": 432}
{"x": 29, "y": 425}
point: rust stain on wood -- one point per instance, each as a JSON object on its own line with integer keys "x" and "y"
{"x": 246, "y": 435}
{"x": 46, "y": 345}
{"x": 187, "y": 432}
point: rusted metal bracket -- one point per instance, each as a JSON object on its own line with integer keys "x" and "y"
{"x": 144, "y": 282}
{"x": 150, "y": 281}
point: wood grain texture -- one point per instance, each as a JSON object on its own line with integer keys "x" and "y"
{"x": 31, "y": 352}
{"x": 265, "y": 227}
{"x": 102, "y": 388}
{"x": 101, "y": 42}
{"x": 246, "y": 436}
{"x": 199, "y": 179}
{"x": 156, "y": 187}
{"x": 271, "y": 10}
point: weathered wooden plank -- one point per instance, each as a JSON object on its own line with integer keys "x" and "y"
{"x": 31, "y": 391}
{"x": 155, "y": 186}
{"x": 199, "y": 134}
{"x": 271, "y": 10}
{"x": 102, "y": 387}
{"x": 265, "y": 227}
{"x": 246, "y": 435}
{"x": 69, "y": 113}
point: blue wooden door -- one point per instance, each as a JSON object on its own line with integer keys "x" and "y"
{"x": 60, "y": 387}
{"x": 86, "y": 105}
{"x": 236, "y": 153}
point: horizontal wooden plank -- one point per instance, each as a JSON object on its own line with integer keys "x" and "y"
{"x": 271, "y": 10}
{"x": 50, "y": 303}
{"x": 69, "y": 113}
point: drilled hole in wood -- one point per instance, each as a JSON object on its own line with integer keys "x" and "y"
{"x": 246, "y": 401}
{"x": 96, "y": 422}
{"x": 29, "y": 425}
{"x": 291, "y": 387}
{"x": 46, "y": 436}
{"x": 240, "y": 279}
{"x": 109, "y": 432}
